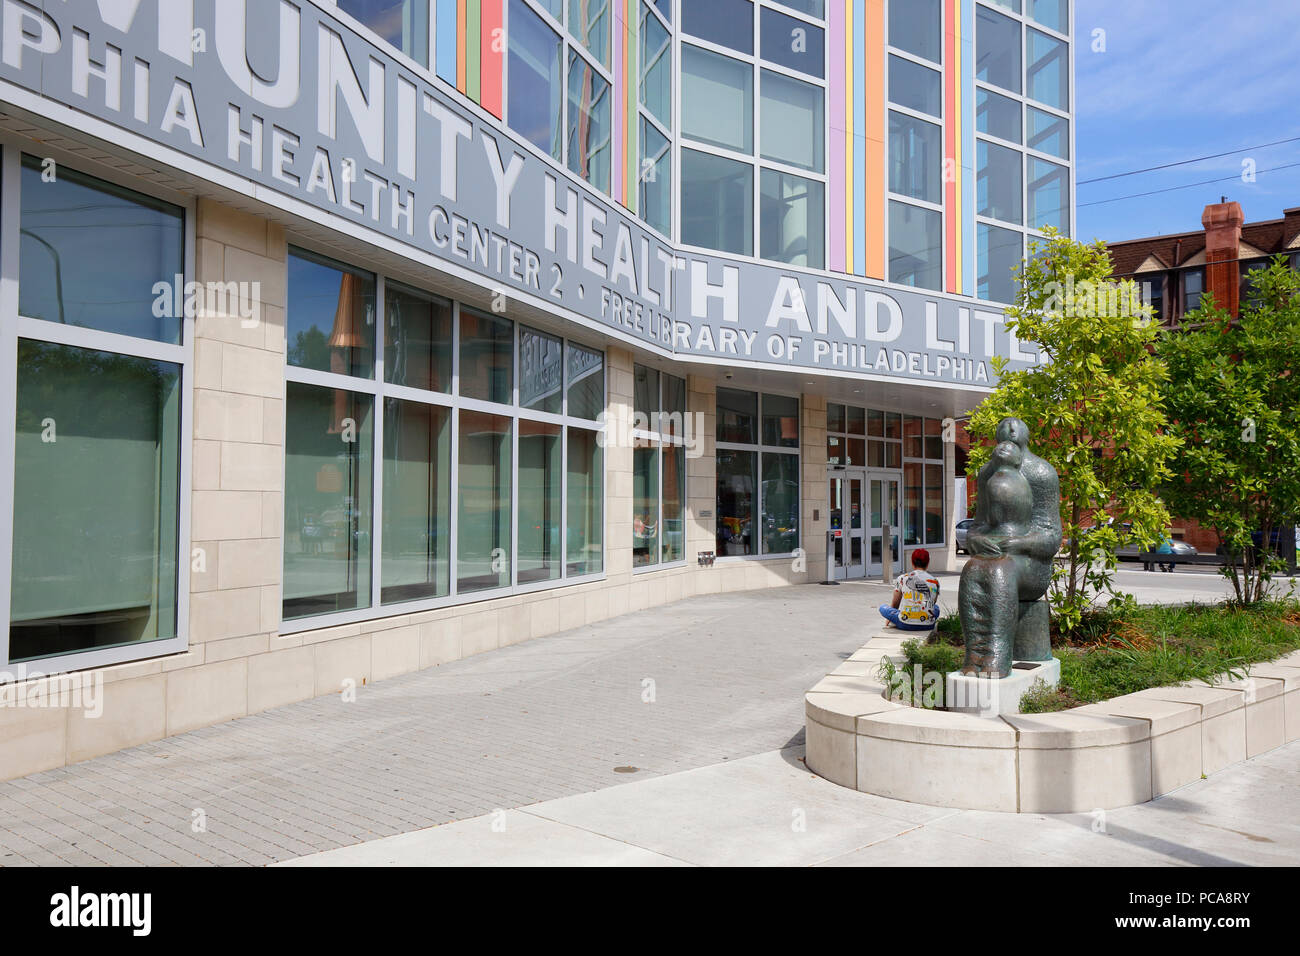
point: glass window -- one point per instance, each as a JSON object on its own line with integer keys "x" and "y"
{"x": 589, "y": 23}
{"x": 645, "y": 503}
{"x": 917, "y": 27}
{"x": 1049, "y": 70}
{"x": 793, "y": 219}
{"x": 589, "y": 129}
{"x": 792, "y": 121}
{"x": 913, "y": 495}
{"x": 893, "y": 425}
{"x": 1153, "y": 294}
{"x": 814, "y": 8}
{"x": 997, "y": 115}
{"x": 717, "y": 203}
{"x": 915, "y": 86}
{"x": 417, "y": 339}
{"x": 96, "y": 500}
{"x": 100, "y": 257}
{"x": 330, "y": 317}
{"x": 541, "y": 372}
{"x": 1054, "y": 14}
{"x": 1000, "y": 256}
{"x": 540, "y": 485}
{"x": 717, "y": 99}
{"x": 1049, "y": 133}
{"x": 645, "y": 395}
{"x": 554, "y": 7}
{"x": 934, "y": 504}
{"x": 673, "y": 420}
{"x": 913, "y": 439}
{"x": 934, "y": 439}
{"x": 486, "y": 357}
{"x": 586, "y": 382}
{"x": 416, "y": 552}
{"x": 999, "y": 184}
{"x": 402, "y": 23}
{"x": 483, "y": 512}
{"x": 1193, "y": 288}
{"x": 875, "y": 423}
{"x": 737, "y": 471}
{"x": 915, "y": 158}
{"x": 1049, "y": 195}
{"x": 997, "y": 49}
{"x": 585, "y": 554}
{"x": 724, "y": 22}
{"x": 656, "y": 178}
{"x": 328, "y": 494}
{"x": 796, "y": 44}
{"x": 915, "y": 246}
{"x": 834, "y": 417}
{"x": 780, "y": 503}
{"x": 737, "y": 417}
{"x": 780, "y": 421}
{"x": 534, "y": 104}
{"x": 1012, "y": 5}
{"x": 672, "y": 539}
{"x": 1249, "y": 291}
{"x": 656, "y": 68}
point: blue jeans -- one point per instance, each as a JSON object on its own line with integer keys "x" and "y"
{"x": 890, "y": 614}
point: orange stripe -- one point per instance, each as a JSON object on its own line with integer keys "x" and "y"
{"x": 875, "y": 133}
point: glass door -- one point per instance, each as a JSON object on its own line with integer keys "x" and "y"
{"x": 845, "y": 506}
{"x": 883, "y": 511}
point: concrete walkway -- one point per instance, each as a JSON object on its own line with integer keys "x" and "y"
{"x": 640, "y": 700}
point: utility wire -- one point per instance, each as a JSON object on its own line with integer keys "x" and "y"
{"x": 1187, "y": 162}
{"x": 1208, "y": 182}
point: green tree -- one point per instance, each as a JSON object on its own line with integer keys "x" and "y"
{"x": 1234, "y": 395}
{"x": 1094, "y": 410}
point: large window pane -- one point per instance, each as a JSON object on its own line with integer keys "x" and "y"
{"x": 915, "y": 86}
{"x": 656, "y": 68}
{"x": 997, "y": 49}
{"x": 736, "y": 480}
{"x": 96, "y": 499}
{"x": 793, "y": 211}
{"x": 834, "y": 417}
{"x": 1049, "y": 195}
{"x": 999, "y": 255}
{"x": 737, "y": 417}
{"x": 417, "y": 340}
{"x": 814, "y": 8}
{"x": 1054, "y": 14}
{"x": 656, "y": 178}
{"x": 1049, "y": 70}
{"x": 586, "y": 520}
{"x": 917, "y": 27}
{"x": 417, "y": 502}
{"x": 586, "y": 382}
{"x": 793, "y": 43}
{"x": 717, "y": 203}
{"x": 486, "y": 357}
{"x": 934, "y": 532}
{"x": 330, "y": 317}
{"x": 781, "y": 421}
{"x": 589, "y": 129}
{"x": 915, "y": 246}
{"x": 540, "y": 486}
{"x": 725, "y": 22}
{"x": 402, "y": 23}
{"x": 673, "y": 418}
{"x": 780, "y": 503}
{"x": 541, "y": 371}
{"x": 672, "y": 540}
{"x": 793, "y": 128}
{"x": 91, "y": 255}
{"x": 997, "y": 115}
{"x": 589, "y": 23}
{"x": 534, "y": 104}
{"x": 717, "y": 99}
{"x": 913, "y": 497}
{"x": 483, "y": 512}
{"x": 999, "y": 185}
{"x": 915, "y": 158}
{"x": 645, "y": 503}
{"x": 328, "y": 478}
{"x": 645, "y": 395}
{"x": 1049, "y": 133}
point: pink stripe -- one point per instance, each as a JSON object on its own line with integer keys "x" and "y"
{"x": 839, "y": 78}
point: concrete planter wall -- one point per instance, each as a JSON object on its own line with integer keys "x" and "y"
{"x": 1113, "y": 754}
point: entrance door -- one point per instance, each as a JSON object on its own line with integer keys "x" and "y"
{"x": 846, "y": 506}
{"x": 884, "y": 510}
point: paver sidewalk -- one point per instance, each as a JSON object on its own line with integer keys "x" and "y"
{"x": 536, "y": 721}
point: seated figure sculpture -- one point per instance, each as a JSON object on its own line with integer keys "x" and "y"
{"x": 1016, "y": 535}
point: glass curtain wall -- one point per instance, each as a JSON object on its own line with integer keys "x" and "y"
{"x": 758, "y": 504}
{"x": 658, "y": 468}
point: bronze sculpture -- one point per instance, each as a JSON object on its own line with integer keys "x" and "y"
{"x": 1014, "y": 539}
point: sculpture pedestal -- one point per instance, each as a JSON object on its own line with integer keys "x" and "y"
{"x": 992, "y": 697}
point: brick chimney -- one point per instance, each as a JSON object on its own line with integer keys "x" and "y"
{"x": 1223, "y": 224}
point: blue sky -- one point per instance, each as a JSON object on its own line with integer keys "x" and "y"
{"x": 1181, "y": 79}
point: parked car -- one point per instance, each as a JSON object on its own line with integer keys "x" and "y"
{"x": 963, "y": 526}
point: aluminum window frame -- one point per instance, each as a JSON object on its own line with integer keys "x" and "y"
{"x": 659, "y": 439}
{"x": 760, "y": 449}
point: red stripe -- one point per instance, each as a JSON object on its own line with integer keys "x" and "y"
{"x": 491, "y": 59}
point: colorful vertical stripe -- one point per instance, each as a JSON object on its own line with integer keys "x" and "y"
{"x": 959, "y": 137}
{"x": 625, "y": 182}
{"x": 966, "y": 205}
{"x": 470, "y": 49}
{"x": 875, "y": 34}
{"x": 837, "y": 149}
{"x": 858, "y": 137}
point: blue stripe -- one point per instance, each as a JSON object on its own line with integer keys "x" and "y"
{"x": 446, "y": 37}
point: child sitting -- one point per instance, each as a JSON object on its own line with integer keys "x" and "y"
{"x": 916, "y": 597}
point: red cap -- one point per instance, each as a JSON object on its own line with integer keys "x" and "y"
{"x": 921, "y": 558}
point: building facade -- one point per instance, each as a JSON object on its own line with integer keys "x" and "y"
{"x": 347, "y": 339}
